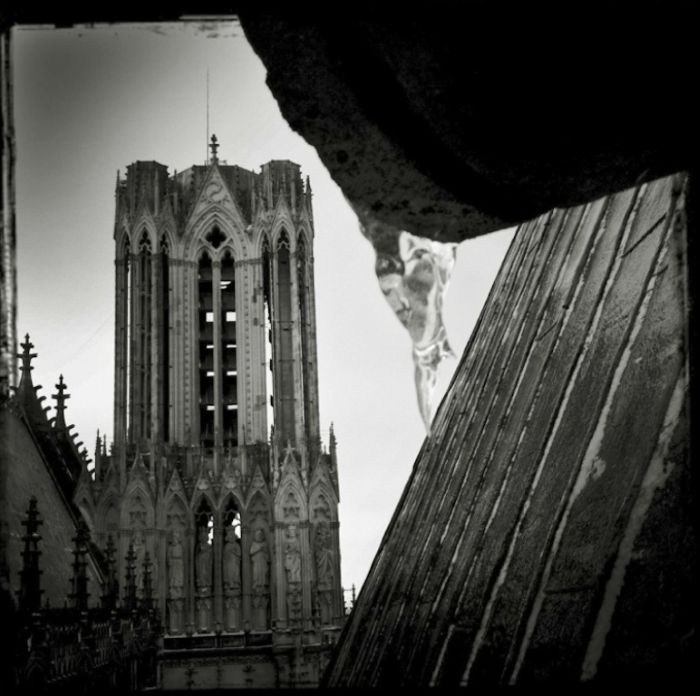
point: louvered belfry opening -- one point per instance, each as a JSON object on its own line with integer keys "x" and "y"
{"x": 229, "y": 370}
{"x": 220, "y": 481}
{"x": 205, "y": 311}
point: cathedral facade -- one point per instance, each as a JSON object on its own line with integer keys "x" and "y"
{"x": 218, "y": 494}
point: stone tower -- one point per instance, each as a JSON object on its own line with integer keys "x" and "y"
{"x": 218, "y": 492}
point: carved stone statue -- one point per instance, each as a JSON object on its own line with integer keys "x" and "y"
{"x": 232, "y": 562}
{"x": 292, "y": 564}
{"x": 323, "y": 551}
{"x": 292, "y": 556}
{"x": 176, "y": 571}
{"x": 203, "y": 563}
{"x": 260, "y": 561}
{"x": 414, "y": 283}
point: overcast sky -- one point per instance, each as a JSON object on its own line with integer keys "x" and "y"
{"x": 90, "y": 101}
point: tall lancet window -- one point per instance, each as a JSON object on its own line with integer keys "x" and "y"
{"x": 267, "y": 323}
{"x": 144, "y": 337}
{"x": 125, "y": 312}
{"x": 302, "y": 290}
{"x": 164, "y": 331}
{"x": 205, "y": 303}
{"x": 284, "y": 382}
{"x": 228, "y": 351}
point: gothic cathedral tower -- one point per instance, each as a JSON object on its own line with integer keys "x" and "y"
{"x": 218, "y": 493}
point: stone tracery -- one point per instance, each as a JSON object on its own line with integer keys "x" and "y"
{"x": 216, "y": 404}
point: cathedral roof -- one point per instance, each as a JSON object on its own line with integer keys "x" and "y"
{"x": 53, "y": 437}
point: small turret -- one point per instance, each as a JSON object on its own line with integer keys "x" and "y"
{"x": 26, "y": 391}
{"x": 110, "y": 588}
{"x": 60, "y": 398}
{"x": 30, "y": 575}
{"x": 214, "y": 146}
{"x": 332, "y": 445}
{"x": 26, "y": 386}
{"x": 80, "y": 595}
{"x": 98, "y": 456}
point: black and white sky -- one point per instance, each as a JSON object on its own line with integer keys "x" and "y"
{"x": 91, "y": 100}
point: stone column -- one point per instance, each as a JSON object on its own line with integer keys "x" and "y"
{"x": 176, "y": 359}
{"x": 296, "y": 349}
{"x": 257, "y": 408}
{"x": 306, "y": 574}
{"x": 311, "y": 388}
{"x": 121, "y": 316}
{"x": 246, "y": 576}
{"x": 190, "y": 586}
{"x": 190, "y": 357}
{"x": 278, "y": 577}
{"x": 217, "y": 543}
{"x": 339, "y": 600}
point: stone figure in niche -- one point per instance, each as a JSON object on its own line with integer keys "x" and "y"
{"x": 203, "y": 563}
{"x": 232, "y": 562}
{"x": 176, "y": 572}
{"x": 323, "y": 548}
{"x": 139, "y": 555}
{"x": 292, "y": 556}
{"x": 260, "y": 560}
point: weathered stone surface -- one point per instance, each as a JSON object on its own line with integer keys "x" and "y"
{"x": 450, "y": 126}
{"x": 507, "y": 559}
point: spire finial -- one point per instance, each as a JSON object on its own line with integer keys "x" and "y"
{"x": 98, "y": 454}
{"x": 214, "y": 146}
{"x": 60, "y": 398}
{"x": 26, "y": 355}
{"x": 332, "y": 448}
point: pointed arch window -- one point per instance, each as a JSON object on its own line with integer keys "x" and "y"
{"x": 164, "y": 337}
{"x": 284, "y": 382}
{"x": 141, "y": 307}
{"x": 267, "y": 323}
{"x": 304, "y": 328}
{"x": 205, "y": 303}
{"x": 125, "y": 312}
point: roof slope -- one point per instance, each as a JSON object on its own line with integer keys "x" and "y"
{"x": 545, "y": 532}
